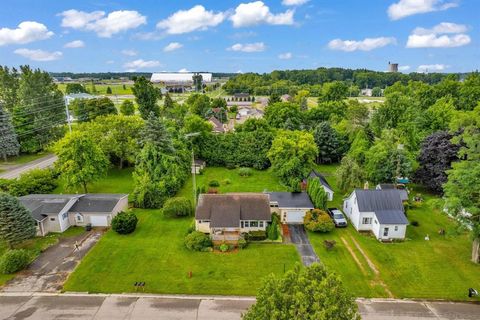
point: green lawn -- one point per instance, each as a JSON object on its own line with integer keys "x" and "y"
{"x": 439, "y": 268}
{"x": 155, "y": 254}
{"x": 36, "y": 245}
{"x": 259, "y": 181}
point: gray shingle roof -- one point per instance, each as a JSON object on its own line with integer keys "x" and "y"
{"x": 291, "y": 199}
{"x": 97, "y": 202}
{"x": 386, "y": 204}
{"x": 389, "y": 186}
{"x": 323, "y": 181}
{"x": 226, "y": 210}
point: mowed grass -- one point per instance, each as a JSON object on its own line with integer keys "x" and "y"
{"x": 416, "y": 268}
{"x": 231, "y": 181}
{"x": 23, "y": 158}
{"x": 102, "y": 88}
{"x": 36, "y": 245}
{"x": 155, "y": 254}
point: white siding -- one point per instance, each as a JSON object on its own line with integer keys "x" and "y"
{"x": 329, "y": 193}
{"x": 202, "y": 226}
{"x": 283, "y": 212}
{"x": 392, "y": 234}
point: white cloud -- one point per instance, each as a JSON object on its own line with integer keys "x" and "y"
{"x": 366, "y": 44}
{"x": 38, "y": 55}
{"x": 239, "y": 71}
{"x": 294, "y": 2}
{"x": 285, "y": 56}
{"x": 424, "y": 68}
{"x": 403, "y": 68}
{"x": 172, "y": 46}
{"x": 443, "y": 35}
{"x": 184, "y": 70}
{"x": 141, "y": 64}
{"x": 104, "y": 25}
{"x": 129, "y": 53}
{"x": 26, "y": 32}
{"x": 248, "y": 47}
{"x": 196, "y": 18}
{"x": 405, "y": 8}
{"x": 254, "y": 13}
{"x": 75, "y": 44}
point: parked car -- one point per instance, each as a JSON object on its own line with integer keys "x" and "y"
{"x": 337, "y": 217}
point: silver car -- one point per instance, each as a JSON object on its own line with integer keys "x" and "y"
{"x": 337, "y": 217}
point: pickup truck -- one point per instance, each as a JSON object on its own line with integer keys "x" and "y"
{"x": 337, "y": 217}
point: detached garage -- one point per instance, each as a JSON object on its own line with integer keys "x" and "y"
{"x": 291, "y": 206}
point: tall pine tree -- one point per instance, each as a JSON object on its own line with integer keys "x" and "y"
{"x": 16, "y": 222}
{"x": 9, "y": 145}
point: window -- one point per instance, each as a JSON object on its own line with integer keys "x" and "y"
{"x": 260, "y": 224}
{"x": 396, "y": 228}
{"x": 375, "y": 221}
{"x": 246, "y": 224}
{"x": 241, "y": 224}
{"x": 385, "y": 232}
{"x": 367, "y": 221}
{"x": 52, "y": 219}
{"x": 253, "y": 224}
{"x": 64, "y": 215}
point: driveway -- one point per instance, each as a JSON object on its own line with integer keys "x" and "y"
{"x": 97, "y": 306}
{"x": 50, "y": 270}
{"x": 40, "y": 163}
{"x": 299, "y": 238}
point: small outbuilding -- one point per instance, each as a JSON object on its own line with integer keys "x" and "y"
{"x": 326, "y": 186}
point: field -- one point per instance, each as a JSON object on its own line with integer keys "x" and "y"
{"x": 102, "y": 88}
{"x": 439, "y": 268}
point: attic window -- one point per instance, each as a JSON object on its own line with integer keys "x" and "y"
{"x": 52, "y": 219}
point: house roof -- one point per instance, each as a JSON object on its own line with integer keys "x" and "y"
{"x": 43, "y": 205}
{"x": 389, "y": 186}
{"x": 391, "y": 217}
{"x": 323, "y": 181}
{"x": 377, "y": 200}
{"x": 291, "y": 199}
{"x": 217, "y": 125}
{"x": 226, "y": 210}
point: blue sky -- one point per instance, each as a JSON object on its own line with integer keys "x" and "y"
{"x": 234, "y": 36}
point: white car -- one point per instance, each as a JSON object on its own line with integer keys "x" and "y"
{"x": 337, "y": 217}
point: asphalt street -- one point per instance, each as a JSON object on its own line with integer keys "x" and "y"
{"x": 41, "y": 163}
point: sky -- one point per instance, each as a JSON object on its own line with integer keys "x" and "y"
{"x": 240, "y": 36}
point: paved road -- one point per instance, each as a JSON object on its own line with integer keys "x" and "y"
{"x": 299, "y": 238}
{"x": 50, "y": 270}
{"x": 83, "y": 306}
{"x": 40, "y": 163}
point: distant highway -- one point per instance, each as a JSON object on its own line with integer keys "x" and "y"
{"x": 40, "y": 163}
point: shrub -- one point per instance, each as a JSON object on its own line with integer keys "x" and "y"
{"x": 227, "y": 181}
{"x": 197, "y": 241}
{"x": 33, "y": 181}
{"x": 257, "y": 235}
{"x": 272, "y": 230}
{"x": 318, "y": 221}
{"x": 415, "y": 223}
{"x": 224, "y": 247}
{"x": 214, "y": 184}
{"x": 242, "y": 243}
{"x": 14, "y": 260}
{"x": 124, "y": 222}
{"x": 177, "y": 207}
{"x": 245, "y": 172}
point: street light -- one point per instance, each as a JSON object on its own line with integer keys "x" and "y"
{"x": 194, "y": 171}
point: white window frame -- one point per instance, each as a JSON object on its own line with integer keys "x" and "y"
{"x": 396, "y": 228}
{"x": 261, "y": 224}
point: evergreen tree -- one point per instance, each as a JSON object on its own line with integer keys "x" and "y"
{"x": 156, "y": 133}
{"x": 127, "y": 108}
{"x": 16, "y": 222}
{"x": 9, "y": 145}
{"x": 328, "y": 144}
{"x": 274, "y": 98}
{"x": 109, "y": 90}
{"x": 146, "y": 96}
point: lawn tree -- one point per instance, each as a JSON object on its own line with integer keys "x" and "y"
{"x": 146, "y": 96}
{"x": 198, "y": 104}
{"x": 292, "y": 155}
{"x": 39, "y": 111}
{"x": 16, "y": 222}
{"x": 349, "y": 174}
{"x": 317, "y": 193}
{"x": 109, "y": 90}
{"x": 197, "y": 81}
{"x": 75, "y": 88}
{"x": 390, "y": 113}
{"x": 9, "y": 145}
{"x": 274, "y": 98}
{"x": 88, "y": 109}
{"x": 377, "y": 92}
{"x": 156, "y": 133}
{"x": 281, "y": 115}
{"x": 436, "y": 156}
{"x": 9, "y": 83}
{"x": 461, "y": 190}
{"x": 326, "y": 139}
{"x": 127, "y": 108}
{"x": 80, "y": 160}
{"x": 303, "y": 293}
{"x": 333, "y": 91}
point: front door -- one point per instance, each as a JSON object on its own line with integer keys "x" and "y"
{"x": 385, "y": 232}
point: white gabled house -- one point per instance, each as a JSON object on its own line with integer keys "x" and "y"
{"x": 379, "y": 211}
{"x": 323, "y": 182}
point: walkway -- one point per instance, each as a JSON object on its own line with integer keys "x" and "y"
{"x": 299, "y": 238}
{"x": 129, "y": 306}
{"x": 40, "y": 163}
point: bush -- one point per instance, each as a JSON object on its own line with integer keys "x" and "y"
{"x": 415, "y": 223}
{"x": 33, "y": 181}
{"x": 245, "y": 172}
{"x": 197, "y": 241}
{"x": 124, "y": 222}
{"x": 177, "y": 207}
{"x": 257, "y": 235}
{"x": 318, "y": 221}
{"x": 272, "y": 230}
{"x": 214, "y": 184}
{"x": 242, "y": 243}
{"x": 227, "y": 181}
{"x": 14, "y": 260}
{"x": 224, "y": 247}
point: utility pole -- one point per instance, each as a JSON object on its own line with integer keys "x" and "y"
{"x": 194, "y": 174}
{"x": 68, "y": 115}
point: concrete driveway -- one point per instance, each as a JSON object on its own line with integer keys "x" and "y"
{"x": 96, "y": 307}
{"x": 299, "y": 238}
{"x": 40, "y": 163}
{"x": 50, "y": 270}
